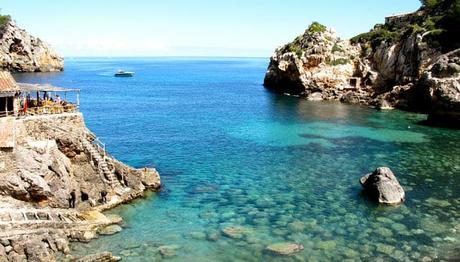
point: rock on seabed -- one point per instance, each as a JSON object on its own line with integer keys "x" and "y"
{"x": 383, "y": 186}
{"x": 110, "y": 230}
{"x": 284, "y": 249}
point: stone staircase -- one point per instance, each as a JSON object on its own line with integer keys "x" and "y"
{"x": 28, "y": 221}
{"x": 99, "y": 159}
{"x": 98, "y": 155}
{"x": 9, "y": 216}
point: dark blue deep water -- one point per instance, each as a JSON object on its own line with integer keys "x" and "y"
{"x": 277, "y": 169}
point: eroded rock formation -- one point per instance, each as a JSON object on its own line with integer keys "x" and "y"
{"x": 53, "y": 156}
{"x": 317, "y": 65}
{"x": 393, "y": 66}
{"x": 21, "y": 52}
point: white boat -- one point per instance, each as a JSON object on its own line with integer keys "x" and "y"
{"x": 122, "y": 73}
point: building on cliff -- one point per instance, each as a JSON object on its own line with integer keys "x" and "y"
{"x": 20, "y": 99}
{"x": 9, "y": 93}
{"x": 46, "y": 154}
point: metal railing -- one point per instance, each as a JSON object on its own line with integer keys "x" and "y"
{"x": 99, "y": 146}
{"x": 7, "y": 113}
{"x": 50, "y": 109}
{"x": 42, "y": 110}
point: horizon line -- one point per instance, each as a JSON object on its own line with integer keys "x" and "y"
{"x": 160, "y": 56}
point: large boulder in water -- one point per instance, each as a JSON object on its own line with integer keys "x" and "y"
{"x": 383, "y": 186}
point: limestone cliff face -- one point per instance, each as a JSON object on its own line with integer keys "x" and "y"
{"x": 21, "y": 52}
{"x": 53, "y": 156}
{"x": 384, "y": 73}
{"x": 317, "y": 65}
{"x": 443, "y": 81}
{"x": 50, "y": 160}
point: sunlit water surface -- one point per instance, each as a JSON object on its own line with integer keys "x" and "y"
{"x": 286, "y": 170}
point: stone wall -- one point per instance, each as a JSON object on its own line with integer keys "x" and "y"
{"x": 46, "y": 126}
{"x": 402, "y": 20}
{"x": 7, "y": 134}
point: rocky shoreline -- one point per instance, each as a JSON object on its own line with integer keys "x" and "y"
{"x": 395, "y": 65}
{"x": 54, "y": 155}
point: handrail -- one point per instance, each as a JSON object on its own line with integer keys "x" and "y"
{"x": 98, "y": 143}
{"x": 50, "y": 109}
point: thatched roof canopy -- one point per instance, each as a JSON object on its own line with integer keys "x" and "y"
{"x": 7, "y": 83}
{"x": 43, "y": 88}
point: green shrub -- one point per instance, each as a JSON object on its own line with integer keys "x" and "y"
{"x": 4, "y": 19}
{"x": 336, "y": 48}
{"x": 430, "y": 4}
{"x": 338, "y": 61}
{"x": 449, "y": 23}
{"x": 293, "y": 48}
{"x": 316, "y": 27}
{"x": 375, "y": 37}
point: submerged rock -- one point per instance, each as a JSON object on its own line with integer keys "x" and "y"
{"x": 110, "y": 230}
{"x": 383, "y": 186}
{"x": 168, "y": 251}
{"x": 235, "y": 231}
{"x": 284, "y": 249}
{"x": 103, "y": 256}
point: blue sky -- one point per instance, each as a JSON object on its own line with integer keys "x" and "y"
{"x": 190, "y": 27}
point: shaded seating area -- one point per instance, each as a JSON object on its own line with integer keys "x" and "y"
{"x": 42, "y": 99}
{"x": 21, "y": 99}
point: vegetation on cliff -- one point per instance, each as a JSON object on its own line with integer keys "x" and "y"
{"x": 4, "y": 20}
{"x": 296, "y": 46}
{"x": 316, "y": 27}
{"x": 395, "y": 65}
{"x": 445, "y": 16}
{"x": 437, "y": 21}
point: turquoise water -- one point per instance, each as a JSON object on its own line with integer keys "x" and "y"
{"x": 284, "y": 169}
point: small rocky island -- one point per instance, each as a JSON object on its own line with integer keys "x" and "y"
{"x": 411, "y": 62}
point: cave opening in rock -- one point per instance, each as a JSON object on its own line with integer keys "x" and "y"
{"x": 84, "y": 196}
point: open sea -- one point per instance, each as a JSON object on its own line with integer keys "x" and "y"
{"x": 275, "y": 168}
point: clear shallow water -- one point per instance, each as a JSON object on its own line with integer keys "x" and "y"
{"x": 232, "y": 154}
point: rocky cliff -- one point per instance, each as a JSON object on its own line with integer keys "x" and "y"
{"x": 401, "y": 64}
{"x": 54, "y": 156}
{"x": 21, "y": 52}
